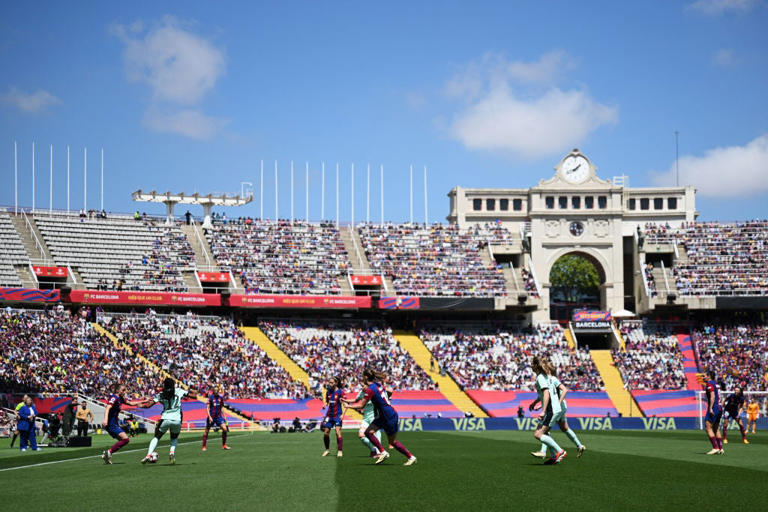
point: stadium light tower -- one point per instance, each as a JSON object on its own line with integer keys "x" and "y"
{"x": 207, "y": 202}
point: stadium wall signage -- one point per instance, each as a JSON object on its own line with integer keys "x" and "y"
{"x": 29, "y": 295}
{"x": 213, "y": 277}
{"x": 581, "y": 423}
{"x": 457, "y": 303}
{"x": 145, "y": 298}
{"x": 50, "y": 271}
{"x": 366, "y": 280}
{"x": 300, "y": 301}
{"x": 399, "y": 303}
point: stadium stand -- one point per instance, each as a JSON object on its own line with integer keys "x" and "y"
{"x": 281, "y": 257}
{"x": 651, "y": 359}
{"x": 12, "y": 252}
{"x": 433, "y": 260}
{"x": 499, "y": 359}
{"x": 56, "y": 352}
{"x": 205, "y": 352}
{"x": 119, "y": 253}
{"x": 330, "y": 349}
{"x": 737, "y": 352}
{"x": 720, "y": 258}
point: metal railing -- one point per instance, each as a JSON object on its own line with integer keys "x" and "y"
{"x": 38, "y": 245}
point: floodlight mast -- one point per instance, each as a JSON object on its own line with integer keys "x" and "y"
{"x": 206, "y": 201}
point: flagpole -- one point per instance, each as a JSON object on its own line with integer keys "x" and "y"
{"x": 411, "y": 196}
{"x": 15, "y": 179}
{"x": 85, "y": 179}
{"x": 33, "y": 176}
{"x": 426, "y": 200}
{"x": 381, "y": 192}
{"x": 306, "y": 192}
{"x": 261, "y": 191}
{"x": 67, "y": 178}
{"x": 322, "y": 191}
{"x": 368, "y": 196}
{"x": 276, "y": 191}
{"x": 102, "y": 179}
{"x": 352, "y": 188}
{"x": 50, "y": 185}
{"x": 337, "y": 194}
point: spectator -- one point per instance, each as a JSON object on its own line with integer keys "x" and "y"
{"x": 84, "y": 419}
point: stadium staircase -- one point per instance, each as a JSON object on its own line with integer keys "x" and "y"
{"x": 614, "y": 385}
{"x": 297, "y": 373}
{"x": 23, "y": 230}
{"x": 569, "y": 337}
{"x": 412, "y": 344}
{"x": 159, "y": 371}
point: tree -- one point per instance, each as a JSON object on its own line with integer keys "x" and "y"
{"x": 574, "y": 276}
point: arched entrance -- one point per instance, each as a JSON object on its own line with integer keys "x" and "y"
{"x": 576, "y": 281}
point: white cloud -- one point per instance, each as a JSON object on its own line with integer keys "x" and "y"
{"x": 189, "y": 123}
{"x": 723, "y": 58}
{"x": 178, "y": 65}
{"x": 732, "y": 171}
{"x": 502, "y": 113}
{"x": 717, "y": 7}
{"x": 31, "y": 102}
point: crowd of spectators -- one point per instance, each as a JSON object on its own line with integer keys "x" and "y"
{"x": 720, "y": 259}
{"x": 737, "y": 352}
{"x": 326, "y": 350}
{"x": 58, "y": 352}
{"x": 500, "y": 358}
{"x": 652, "y": 358}
{"x": 281, "y": 257}
{"x": 433, "y": 260}
{"x": 529, "y": 282}
{"x": 205, "y": 352}
{"x": 650, "y": 280}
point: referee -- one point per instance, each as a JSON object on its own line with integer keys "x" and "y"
{"x": 84, "y": 418}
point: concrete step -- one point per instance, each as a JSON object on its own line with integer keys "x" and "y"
{"x": 200, "y": 246}
{"x": 614, "y": 385}
{"x": 354, "y": 249}
{"x": 26, "y": 277}
{"x": 22, "y": 228}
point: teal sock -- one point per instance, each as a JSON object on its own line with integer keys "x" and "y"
{"x": 551, "y": 443}
{"x": 368, "y": 444}
{"x": 174, "y": 443}
{"x": 572, "y": 436}
{"x": 152, "y": 445}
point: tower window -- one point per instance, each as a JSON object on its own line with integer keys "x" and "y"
{"x": 517, "y": 204}
{"x": 503, "y": 204}
{"x": 477, "y": 204}
{"x": 589, "y": 202}
{"x": 490, "y": 204}
{"x": 602, "y": 202}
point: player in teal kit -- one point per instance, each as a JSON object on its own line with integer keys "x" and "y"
{"x": 551, "y": 410}
{"x": 171, "y": 417}
{"x": 369, "y": 414}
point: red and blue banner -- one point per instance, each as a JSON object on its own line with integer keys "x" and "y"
{"x": 194, "y": 413}
{"x": 300, "y": 301}
{"x": 399, "y": 303}
{"x": 662, "y": 403}
{"x": 591, "y": 316}
{"x": 690, "y": 369}
{"x": 419, "y": 404}
{"x": 500, "y": 404}
{"x": 283, "y": 408}
{"x": 29, "y": 295}
{"x": 145, "y": 298}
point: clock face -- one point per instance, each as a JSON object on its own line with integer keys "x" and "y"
{"x": 575, "y": 169}
{"x": 576, "y": 228}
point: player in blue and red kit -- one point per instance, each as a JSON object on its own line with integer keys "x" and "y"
{"x": 386, "y": 417}
{"x": 111, "y": 420}
{"x": 734, "y": 403}
{"x": 216, "y": 418}
{"x": 334, "y": 394}
{"x": 714, "y": 413}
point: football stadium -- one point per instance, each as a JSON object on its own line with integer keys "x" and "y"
{"x": 554, "y": 337}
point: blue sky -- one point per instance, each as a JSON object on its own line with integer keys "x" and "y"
{"x": 191, "y": 96}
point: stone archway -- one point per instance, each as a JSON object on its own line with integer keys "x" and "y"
{"x": 561, "y": 303}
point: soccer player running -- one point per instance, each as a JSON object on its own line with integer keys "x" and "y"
{"x": 551, "y": 411}
{"x": 714, "y": 413}
{"x": 734, "y": 404}
{"x": 111, "y": 421}
{"x": 333, "y": 399}
{"x": 171, "y": 417}
{"x": 561, "y": 391}
{"x": 752, "y": 411}
{"x": 216, "y": 418}
{"x": 369, "y": 414}
{"x": 385, "y": 416}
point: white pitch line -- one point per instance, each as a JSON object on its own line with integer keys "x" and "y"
{"x": 89, "y": 457}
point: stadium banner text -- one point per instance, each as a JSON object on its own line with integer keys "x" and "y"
{"x": 145, "y": 298}
{"x": 577, "y": 423}
{"x": 213, "y": 277}
{"x": 29, "y": 295}
{"x": 300, "y": 301}
{"x": 50, "y": 271}
{"x": 366, "y": 280}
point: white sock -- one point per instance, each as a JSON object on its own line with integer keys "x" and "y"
{"x": 543, "y": 448}
{"x": 572, "y": 435}
{"x": 174, "y": 442}
{"x": 152, "y": 445}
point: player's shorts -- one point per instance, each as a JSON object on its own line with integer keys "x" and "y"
{"x": 550, "y": 419}
{"x": 713, "y": 417}
{"x": 387, "y": 424}
{"x": 731, "y": 415}
{"x": 114, "y": 429}
{"x": 331, "y": 422}
{"x": 166, "y": 425}
{"x": 752, "y": 417}
{"x": 216, "y": 422}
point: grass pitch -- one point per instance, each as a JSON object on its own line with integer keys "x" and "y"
{"x": 622, "y": 470}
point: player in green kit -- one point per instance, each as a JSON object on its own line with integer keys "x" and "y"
{"x": 368, "y": 416}
{"x": 551, "y": 411}
{"x": 170, "y": 419}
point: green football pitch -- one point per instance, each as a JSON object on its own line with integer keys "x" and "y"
{"x": 621, "y": 470}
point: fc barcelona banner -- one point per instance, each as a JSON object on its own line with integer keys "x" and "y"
{"x": 591, "y": 316}
{"x": 213, "y": 277}
{"x": 300, "y": 301}
{"x": 145, "y": 298}
{"x": 29, "y": 295}
{"x": 41, "y": 271}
